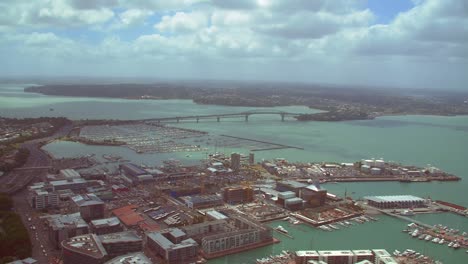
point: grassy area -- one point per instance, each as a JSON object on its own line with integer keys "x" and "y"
{"x": 14, "y": 238}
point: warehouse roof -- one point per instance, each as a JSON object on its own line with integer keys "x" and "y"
{"x": 216, "y": 215}
{"x": 134, "y": 169}
{"x": 86, "y": 199}
{"x": 125, "y": 236}
{"x": 394, "y": 198}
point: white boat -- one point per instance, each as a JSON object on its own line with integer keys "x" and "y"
{"x": 450, "y": 244}
{"x": 325, "y": 228}
{"x": 281, "y": 229}
{"x": 422, "y": 236}
{"x": 334, "y": 227}
{"x": 428, "y": 237}
{"x": 407, "y": 213}
{"x": 396, "y": 253}
{"x": 456, "y": 246}
{"x": 441, "y": 241}
{"x": 436, "y": 240}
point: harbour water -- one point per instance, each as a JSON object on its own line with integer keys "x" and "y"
{"x": 418, "y": 140}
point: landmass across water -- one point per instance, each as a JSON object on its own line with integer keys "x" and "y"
{"x": 338, "y": 103}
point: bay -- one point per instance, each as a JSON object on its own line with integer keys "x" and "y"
{"x": 418, "y": 140}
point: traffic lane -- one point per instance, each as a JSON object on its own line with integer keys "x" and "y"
{"x": 26, "y": 212}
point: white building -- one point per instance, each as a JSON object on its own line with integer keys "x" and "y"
{"x": 41, "y": 199}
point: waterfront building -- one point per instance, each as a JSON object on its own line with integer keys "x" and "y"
{"x": 202, "y": 201}
{"x": 172, "y": 245}
{"x": 241, "y": 234}
{"x": 304, "y": 256}
{"x": 343, "y": 256}
{"x": 251, "y": 158}
{"x": 235, "y": 161}
{"x": 62, "y": 227}
{"x": 294, "y": 204}
{"x": 288, "y": 185}
{"x": 89, "y": 205}
{"x": 314, "y": 195}
{"x": 201, "y": 229}
{"x": 69, "y": 174}
{"x": 135, "y": 173}
{"x": 40, "y": 199}
{"x": 337, "y": 256}
{"x": 363, "y": 254}
{"x": 395, "y": 201}
{"x": 383, "y": 257}
{"x": 106, "y": 226}
{"x": 239, "y": 194}
{"x": 131, "y": 258}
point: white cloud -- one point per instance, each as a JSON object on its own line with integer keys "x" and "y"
{"x": 182, "y": 22}
{"x": 268, "y": 36}
{"x": 134, "y": 16}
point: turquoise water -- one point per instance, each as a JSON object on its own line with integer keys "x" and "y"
{"x": 418, "y": 140}
{"x": 385, "y": 233}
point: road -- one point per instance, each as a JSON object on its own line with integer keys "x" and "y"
{"x": 18, "y": 180}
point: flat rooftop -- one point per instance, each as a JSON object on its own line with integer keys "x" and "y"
{"x": 63, "y": 221}
{"x": 216, "y": 215}
{"x": 111, "y": 221}
{"x": 132, "y": 258}
{"x": 394, "y": 198}
{"x": 293, "y": 184}
{"x": 88, "y": 244}
{"x": 86, "y": 199}
{"x": 125, "y": 236}
{"x": 307, "y": 253}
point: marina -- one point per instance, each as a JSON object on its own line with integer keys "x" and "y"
{"x": 321, "y": 141}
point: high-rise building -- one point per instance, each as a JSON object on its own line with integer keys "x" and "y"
{"x": 62, "y": 227}
{"x": 90, "y": 206}
{"x": 240, "y": 194}
{"x": 41, "y": 199}
{"x": 251, "y": 158}
{"x": 235, "y": 161}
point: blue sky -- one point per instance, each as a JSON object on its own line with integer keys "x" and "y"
{"x": 402, "y": 43}
{"x": 386, "y": 10}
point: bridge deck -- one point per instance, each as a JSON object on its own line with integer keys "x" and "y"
{"x": 228, "y": 115}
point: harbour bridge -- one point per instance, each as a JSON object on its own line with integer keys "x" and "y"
{"x": 218, "y": 117}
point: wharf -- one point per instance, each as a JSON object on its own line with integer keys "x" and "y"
{"x": 385, "y": 179}
{"x": 278, "y": 146}
{"x": 406, "y": 219}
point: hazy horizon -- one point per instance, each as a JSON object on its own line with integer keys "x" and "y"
{"x": 382, "y": 44}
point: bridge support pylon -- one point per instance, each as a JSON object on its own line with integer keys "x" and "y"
{"x": 177, "y": 120}
{"x": 282, "y": 117}
{"x": 198, "y": 119}
{"x": 218, "y": 118}
{"x": 246, "y": 118}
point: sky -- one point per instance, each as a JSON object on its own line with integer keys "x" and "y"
{"x": 388, "y": 43}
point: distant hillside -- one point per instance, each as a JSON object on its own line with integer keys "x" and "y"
{"x": 341, "y": 103}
